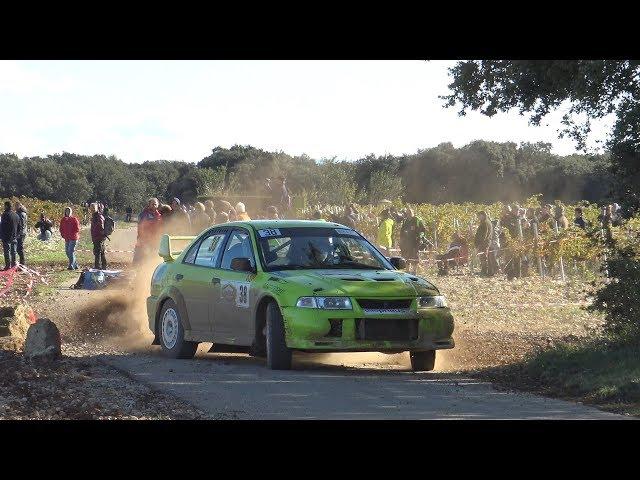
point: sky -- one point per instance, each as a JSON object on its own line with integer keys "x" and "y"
{"x": 181, "y": 110}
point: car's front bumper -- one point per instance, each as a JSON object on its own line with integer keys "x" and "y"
{"x": 311, "y": 329}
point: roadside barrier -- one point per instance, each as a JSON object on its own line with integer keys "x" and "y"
{"x": 10, "y": 275}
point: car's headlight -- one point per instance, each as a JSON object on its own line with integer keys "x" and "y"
{"x": 437, "y": 301}
{"x": 327, "y": 303}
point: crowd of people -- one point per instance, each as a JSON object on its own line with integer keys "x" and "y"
{"x": 178, "y": 218}
{"x": 493, "y": 238}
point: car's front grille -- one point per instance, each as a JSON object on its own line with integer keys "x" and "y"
{"x": 389, "y": 329}
{"x": 380, "y": 304}
{"x": 336, "y": 328}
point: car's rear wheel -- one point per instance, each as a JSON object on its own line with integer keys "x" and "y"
{"x": 424, "y": 361}
{"x": 172, "y": 333}
{"x": 278, "y": 354}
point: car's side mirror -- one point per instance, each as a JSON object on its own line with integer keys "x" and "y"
{"x": 242, "y": 264}
{"x": 398, "y": 262}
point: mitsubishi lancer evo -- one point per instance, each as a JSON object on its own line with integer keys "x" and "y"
{"x": 270, "y": 287}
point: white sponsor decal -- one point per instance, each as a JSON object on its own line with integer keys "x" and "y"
{"x": 381, "y": 311}
{"x": 237, "y": 292}
{"x": 346, "y": 231}
{"x": 269, "y": 232}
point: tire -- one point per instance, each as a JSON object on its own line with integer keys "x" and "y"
{"x": 424, "y": 361}
{"x": 171, "y": 333}
{"x": 278, "y": 354}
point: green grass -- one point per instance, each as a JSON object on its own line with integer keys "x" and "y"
{"x": 599, "y": 371}
{"x": 52, "y": 251}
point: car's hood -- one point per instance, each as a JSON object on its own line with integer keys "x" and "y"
{"x": 354, "y": 283}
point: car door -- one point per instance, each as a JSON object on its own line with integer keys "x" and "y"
{"x": 195, "y": 280}
{"x": 233, "y": 322}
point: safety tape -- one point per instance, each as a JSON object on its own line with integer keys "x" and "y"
{"x": 107, "y": 251}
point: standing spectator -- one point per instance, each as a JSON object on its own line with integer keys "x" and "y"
{"x": 412, "y": 236}
{"x": 223, "y": 217}
{"x": 70, "y": 231}
{"x": 616, "y": 215}
{"x": 559, "y": 217}
{"x": 129, "y": 213}
{"x": 22, "y": 230}
{"x": 9, "y": 233}
{"x": 233, "y": 215}
{"x": 385, "y": 231}
{"x": 482, "y": 240}
{"x": 241, "y": 212}
{"x": 97, "y": 236}
{"x": 285, "y": 199}
{"x": 45, "y": 225}
{"x": 199, "y": 220}
{"x": 494, "y": 248}
{"x": 178, "y": 221}
{"x": 210, "y": 210}
{"x": 579, "y": 220}
{"x": 267, "y": 194}
{"x": 149, "y": 230}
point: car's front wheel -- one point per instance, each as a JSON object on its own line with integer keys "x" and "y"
{"x": 278, "y": 354}
{"x": 424, "y": 361}
{"x": 172, "y": 333}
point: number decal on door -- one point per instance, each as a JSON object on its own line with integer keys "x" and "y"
{"x": 243, "y": 295}
{"x": 238, "y": 292}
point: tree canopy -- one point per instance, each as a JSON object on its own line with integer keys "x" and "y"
{"x": 478, "y": 172}
{"x": 591, "y": 89}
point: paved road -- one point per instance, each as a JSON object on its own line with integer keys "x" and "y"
{"x": 238, "y": 386}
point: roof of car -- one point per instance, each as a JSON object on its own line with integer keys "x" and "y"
{"x": 258, "y": 224}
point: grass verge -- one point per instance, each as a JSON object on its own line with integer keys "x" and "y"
{"x": 599, "y": 371}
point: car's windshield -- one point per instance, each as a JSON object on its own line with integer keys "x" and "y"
{"x": 310, "y": 247}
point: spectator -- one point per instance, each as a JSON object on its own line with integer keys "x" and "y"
{"x": 482, "y": 240}
{"x": 149, "y": 230}
{"x": 267, "y": 194}
{"x": 579, "y": 220}
{"x": 560, "y": 218}
{"x": 199, "y": 220}
{"x": 317, "y": 215}
{"x": 178, "y": 221}
{"x": 210, "y": 210}
{"x": 129, "y": 213}
{"x": 22, "y": 230}
{"x": 616, "y": 215}
{"x": 233, "y": 215}
{"x": 165, "y": 210}
{"x": 98, "y": 237}
{"x": 457, "y": 254}
{"x": 45, "y": 225}
{"x": 272, "y": 213}
{"x": 9, "y": 234}
{"x": 385, "y": 231}
{"x": 412, "y": 238}
{"x": 242, "y": 212}
{"x": 70, "y": 231}
{"x": 285, "y": 198}
{"x": 223, "y": 217}
{"x": 494, "y": 248}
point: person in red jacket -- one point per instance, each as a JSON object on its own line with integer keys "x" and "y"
{"x": 149, "y": 231}
{"x": 70, "y": 231}
{"x": 97, "y": 236}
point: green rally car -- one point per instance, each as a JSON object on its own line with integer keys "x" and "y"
{"x": 269, "y": 287}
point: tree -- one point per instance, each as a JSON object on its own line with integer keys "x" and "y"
{"x": 592, "y": 89}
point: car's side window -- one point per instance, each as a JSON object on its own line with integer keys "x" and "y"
{"x": 238, "y": 246}
{"x": 190, "y": 257}
{"x": 209, "y": 250}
